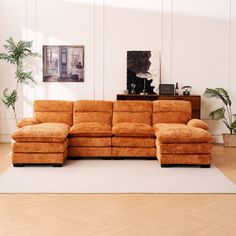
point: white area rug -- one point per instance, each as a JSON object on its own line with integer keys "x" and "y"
{"x": 114, "y": 176}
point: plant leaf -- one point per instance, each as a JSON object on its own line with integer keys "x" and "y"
{"x": 225, "y": 94}
{"x": 9, "y": 98}
{"x": 233, "y": 125}
{"x": 218, "y": 114}
{"x": 218, "y": 93}
{"x": 17, "y": 51}
{"x": 24, "y": 77}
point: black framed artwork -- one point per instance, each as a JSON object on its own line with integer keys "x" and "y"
{"x": 143, "y": 72}
{"x": 63, "y": 63}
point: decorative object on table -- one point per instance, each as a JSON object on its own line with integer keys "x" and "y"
{"x": 143, "y": 62}
{"x": 125, "y": 92}
{"x": 16, "y": 53}
{"x": 224, "y": 113}
{"x": 133, "y": 85}
{"x": 176, "y": 88}
{"x": 144, "y": 76}
{"x": 186, "y": 90}
{"x": 63, "y": 63}
{"x": 166, "y": 89}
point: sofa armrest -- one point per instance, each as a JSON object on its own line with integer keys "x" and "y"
{"x": 197, "y": 123}
{"x": 27, "y": 121}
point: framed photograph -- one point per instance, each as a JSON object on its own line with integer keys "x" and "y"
{"x": 63, "y": 63}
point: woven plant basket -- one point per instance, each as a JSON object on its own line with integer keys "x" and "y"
{"x": 229, "y": 140}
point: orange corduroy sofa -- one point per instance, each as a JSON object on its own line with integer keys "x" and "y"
{"x": 135, "y": 129}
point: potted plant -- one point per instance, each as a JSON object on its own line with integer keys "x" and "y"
{"x": 15, "y": 53}
{"x": 224, "y": 113}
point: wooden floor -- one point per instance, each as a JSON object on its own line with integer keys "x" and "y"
{"x": 121, "y": 214}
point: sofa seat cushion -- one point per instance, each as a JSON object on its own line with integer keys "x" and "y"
{"x": 158, "y": 127}
{"x": 133, "y": 130}
{"x": 183, "y": 135}
{"x": 91, "y": 129}
{"x": 44, "y": 132}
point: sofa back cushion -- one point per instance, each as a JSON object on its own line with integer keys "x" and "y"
{"x": 171, "y": 111}
{"x": 55, "y": 111}
{"x": 92, "y": 111}
{"x": 132, "y": 111}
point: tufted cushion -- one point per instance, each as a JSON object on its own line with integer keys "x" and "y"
{"x": 92, "y": 111}
{"x": 133, "y": 112}
{"x": 45, "y": 132}
{"x": 91, "y": 129}
{"x": 133, "y": 130}
{"x": 171, "y": 111}
{"x": 53, "y": 111}
{"x": 198, "y": 124}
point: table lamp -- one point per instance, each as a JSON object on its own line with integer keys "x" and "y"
{"x": 144, "y": 75}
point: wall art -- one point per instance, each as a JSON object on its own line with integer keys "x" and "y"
{"x": 143, "y": 72}
{"x": 63, "y": 63}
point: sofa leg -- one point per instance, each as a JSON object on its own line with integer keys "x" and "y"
{"x": 166, "y": 165}
{"x": 151, "y": 158}
{"x": 57, "y": 165}
{"x": 205, "y": 165}
{"x": 18, "y": 164}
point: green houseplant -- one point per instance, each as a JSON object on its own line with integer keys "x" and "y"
{"x": 224, "y": 113}
{"x": 15, "y": 54}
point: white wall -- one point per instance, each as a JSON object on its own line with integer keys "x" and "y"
{"x": 195, "y": 38}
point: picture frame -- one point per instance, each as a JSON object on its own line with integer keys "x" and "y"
{"x": 63, "y": 63}
{"x": 143, "y": 72}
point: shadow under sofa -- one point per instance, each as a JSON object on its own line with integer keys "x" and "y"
{"x": 120, "y": 129}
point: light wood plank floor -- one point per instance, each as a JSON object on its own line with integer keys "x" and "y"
{"x": 121, "y": 214}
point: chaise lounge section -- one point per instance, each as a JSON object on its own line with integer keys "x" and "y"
{"x": 180, "y": 139}
{"x": 42, "y": 139}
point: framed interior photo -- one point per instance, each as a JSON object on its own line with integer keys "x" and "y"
{"x": 63, "y": 63}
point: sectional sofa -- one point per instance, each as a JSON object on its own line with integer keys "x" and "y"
{"x": 136, "y": 129}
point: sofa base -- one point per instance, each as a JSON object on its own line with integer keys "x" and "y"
{"x": 22, "y": 164}
{"x": 205, "y": 166}
{"x": 182, "y": 159}
{"x": 19, "y": 159}
{"x": 174, "y": 165}
{"x": 89, "y": 152}
{"x": 18, "y": 165}
{"x": 133, "y": 152}
{"x": 89, "y": 141}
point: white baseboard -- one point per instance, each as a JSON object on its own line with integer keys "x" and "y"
{"x": 5, "y": 138}
{"x": 217, "y": 138}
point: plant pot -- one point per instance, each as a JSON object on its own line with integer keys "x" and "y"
{"x": 229, "y": 140}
